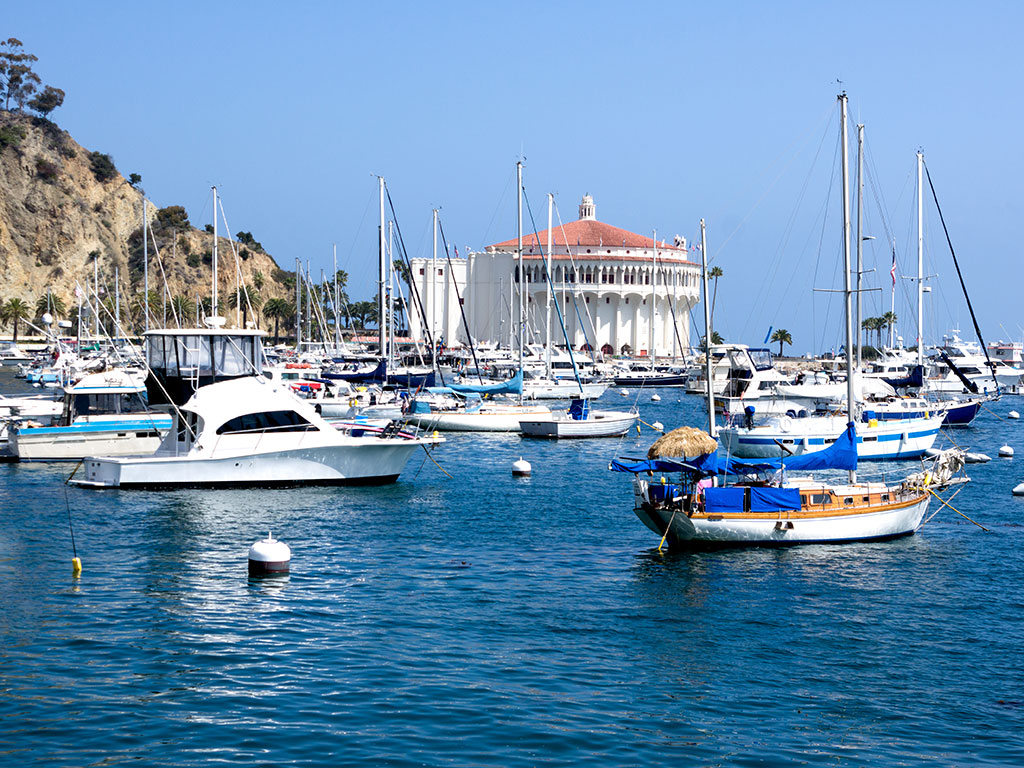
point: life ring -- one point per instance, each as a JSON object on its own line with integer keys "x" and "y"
{"x": 785, "y": 424}
{"x": 353, "y": 402}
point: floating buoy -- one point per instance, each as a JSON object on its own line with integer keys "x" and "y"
{"x": 1006, "y": 451}
{"x": 76, "y": 566}
{"x": 268, "y": 557}
{"x": 1013, "y": 415}
{"x": 976, "y": 458}
{"x": 624, "y": 392}
{"x": 658, "y": 426}
{"x": 655, "y": 397}
{"x": 1019, "y": 490}
{"x": 521, "y": 468}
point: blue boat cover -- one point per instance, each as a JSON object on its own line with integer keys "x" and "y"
{"x": 579, "y": 409}
{"x": 513, "y": 386}
{"x": 774, "y": 499}
{"x": 718, "y": 500}
{"x": 842, "y": 454}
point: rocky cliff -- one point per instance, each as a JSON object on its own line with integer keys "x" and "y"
{"x": 66, "y": 211}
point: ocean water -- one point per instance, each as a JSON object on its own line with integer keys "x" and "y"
{"x": 483, "y": 620}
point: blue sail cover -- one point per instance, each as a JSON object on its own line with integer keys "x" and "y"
{"x": 842, "y": 454}
{"x": 513, "y": 386}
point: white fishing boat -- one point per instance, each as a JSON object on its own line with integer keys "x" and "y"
{"x": 252, "y": 432}
{"x": 579, "y": 421}
{"x": 234, "y": 427}
{"x": 103, "y": 413}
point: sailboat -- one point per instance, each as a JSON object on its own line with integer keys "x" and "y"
{"x": 763, "y": 506}
{"x": 906, "y": 434}
{"x": 461, "y": 408}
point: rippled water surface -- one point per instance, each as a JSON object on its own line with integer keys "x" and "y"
{"x": 484, "y": 620}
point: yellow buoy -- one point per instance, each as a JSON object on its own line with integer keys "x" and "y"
{"x": 76, "y": 566}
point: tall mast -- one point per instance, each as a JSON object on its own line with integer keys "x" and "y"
{"x": 707, "y": 327}
{"x": 920, "y": 259}
{"x": 213, "y": 307}
{"x": 145, "y": 262}
{"x": 519, "y": 261}
{"x": 388, "y": 303}
{"x": 654, "y": 279}
{"x": 381, "y": 319}
{"x": 117, "y": 304}
{"x": 433, "y": 282}
{"x": 851, "y": 405}
{"x": 860, "y": 239}
{"x": 547, "y": 314}
{"x": 892, "y": 299}
{"x": 298, "y": 306}
{"x": 337, "y": 311}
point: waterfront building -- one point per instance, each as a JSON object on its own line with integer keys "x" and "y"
{"x": 613, "y": 288}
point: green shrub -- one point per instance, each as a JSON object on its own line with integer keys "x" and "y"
{"x": 193, "y": 259}
{"x": 102, "y": 166}
{"x": 46, "y": 169}
{"x": 11, "y": 135}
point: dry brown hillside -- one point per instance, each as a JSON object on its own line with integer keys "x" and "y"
{"x": 63, "y": 207}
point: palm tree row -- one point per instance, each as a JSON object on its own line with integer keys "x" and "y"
{"x": 879, "y": 324}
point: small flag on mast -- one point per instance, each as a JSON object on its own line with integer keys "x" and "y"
{"x": 893, "y": 270}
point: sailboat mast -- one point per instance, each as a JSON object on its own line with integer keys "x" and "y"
{"x": 892, "y": 295}
{"x": 851, "y": 406}
{"x": 433, "y": 280}
{"x": 547, "y": 336}
{"x": 920, "y": 259}
{"x": 381, "y": 320}
{"x": 654, "y": 279}
{"x": 298, "y": 306}
{"x": 388, "y": 303}
{"x": 707, "y": 327}
{"x": 860, "y": 241}
{"x": 519, "y": 261}
{"x": 145, "y": 262}
{"x": 337, "y": 311}
{"x": 213, "y": 307}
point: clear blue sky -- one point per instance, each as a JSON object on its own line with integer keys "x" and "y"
{"x": 664, "y": 112}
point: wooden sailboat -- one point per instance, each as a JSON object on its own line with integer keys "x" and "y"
{"x": 762, "y": 506}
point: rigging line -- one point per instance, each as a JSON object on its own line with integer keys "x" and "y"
{"x": 959, "y": 274}
{"x": 787, "y": 234}
{"x": 163, "y": 274}
{"x": 821, "y": 240}
{"x": 574, "y": 283}
{"x": 825, "y": 118}
{"x": 413, "y": 289}
{"x": 458, "y": 296}
{"x": 561, "y": 321}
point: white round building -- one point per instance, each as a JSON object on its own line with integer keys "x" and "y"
{"x": 617, "y": 291}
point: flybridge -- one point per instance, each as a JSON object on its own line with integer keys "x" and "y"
{"x": 180, "y": 361}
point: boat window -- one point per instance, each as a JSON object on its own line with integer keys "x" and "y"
{"x": 885, "y": 497}
{"x": 268, "y": 421}
{"x": 865, "y": 498}
{"x": 820, "y": 498}
{"x": 848, "y": 500}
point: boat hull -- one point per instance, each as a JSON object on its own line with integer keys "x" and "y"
{"x": 786, "y": 529}
{"x": 78, "y": 441}
{"x": 371, "y": 461}
{"x": 598, "y": 424}
{"x": 504, "y": 420}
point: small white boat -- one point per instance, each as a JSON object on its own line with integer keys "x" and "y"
{"x": 103, "y": 413}
{"x": 444, "y": 411}
{"x": 580, "y": 421}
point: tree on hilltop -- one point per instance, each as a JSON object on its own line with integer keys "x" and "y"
{"x": 17, "y": 80}
{"x": 48, "y": 100}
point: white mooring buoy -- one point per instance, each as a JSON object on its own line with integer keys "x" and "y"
{"x": 1013, "y": 415}
{"x": 521, "y": 468}
{"x": 624, "y": 392}
{"x": 269, "y": 556}
{"x": 655, "y": 397}
{"x": 1019, "y": 490}
{"x": 658, "y": 426}
{"x": 1006, "y": 451}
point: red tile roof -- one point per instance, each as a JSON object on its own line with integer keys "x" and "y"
{"x": 588, "y": 233}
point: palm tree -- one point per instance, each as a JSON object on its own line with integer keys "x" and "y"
{"x": 278, "y": 310}
{"x": 249, "y": 297}
{"x": 890, "y": 318}
{"x": 714, "y": 273}
{"x": 782, "y": 336}
{"x": 716, "y": 338}
{"x": 52, "y": 303}
{"x": 258, "y": 280}
{"x": 184, "y": 309}
{"x": 13, "y": 311}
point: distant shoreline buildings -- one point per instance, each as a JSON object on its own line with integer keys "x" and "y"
{"x": 610, "y": 284}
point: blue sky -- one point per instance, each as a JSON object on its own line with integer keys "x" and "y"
{"x": 664, "y": 112}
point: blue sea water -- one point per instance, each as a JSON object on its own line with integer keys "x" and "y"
{"x": 484, "y": 620}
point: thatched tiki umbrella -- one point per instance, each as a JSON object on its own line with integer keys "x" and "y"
{"x": 685, "y": 441}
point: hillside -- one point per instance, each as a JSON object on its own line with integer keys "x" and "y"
{"x": 62, "y": 208}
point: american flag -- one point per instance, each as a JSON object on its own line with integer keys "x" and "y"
{"x": 893, "y": 270}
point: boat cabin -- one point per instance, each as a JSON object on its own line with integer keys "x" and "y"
{"x": 183, "y": 360}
